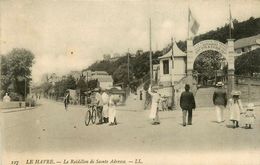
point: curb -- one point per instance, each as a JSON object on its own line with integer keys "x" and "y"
{"x": 17, "y": 110}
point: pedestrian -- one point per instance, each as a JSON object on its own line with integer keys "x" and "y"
{"x": 220, "y": 101}
{"x": 250, "y": 116}
{"x": 164, "y": 103}
{"x": 114, "y": 99}
{"x": 141, "y": 95}
{"x": 187, "y": 103}
{"x": 6, "y": 98}
{"x": 105, "y": 98}
{"x": 154, "y": 111}
{"x": 235, "y": 107}
{"x": 66, "y": 99}
{"x": 135, "y": 95}
{"x": 99, "y": 103}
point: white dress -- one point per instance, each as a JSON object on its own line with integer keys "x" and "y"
{"x": 249, "y": 117}
{"x": 112, "y": 110}
{"x": 105, "y": 98}
{"x": 154, "y": 106}
{"x": 235, "y": 109}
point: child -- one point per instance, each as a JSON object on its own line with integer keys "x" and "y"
{"x": 164, "y": 103}
{"x": 250, "y": 116}
{"x": 235, "y": 107}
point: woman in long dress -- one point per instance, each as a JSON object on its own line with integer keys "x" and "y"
{"x": 114, "y": 99}
{"x": 105, "y": 98}
{"x": 154, "y": 112}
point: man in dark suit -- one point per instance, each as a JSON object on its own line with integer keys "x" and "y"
{"x": 187, "y": 103}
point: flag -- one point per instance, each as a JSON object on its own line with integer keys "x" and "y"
{"x": 193, "y": 23}
{"x": 230, "y": 19}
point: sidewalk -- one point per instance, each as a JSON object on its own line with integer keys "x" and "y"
{"x": 17, "y": 109}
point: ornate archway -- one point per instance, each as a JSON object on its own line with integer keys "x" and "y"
{"x": 227, "y": 50}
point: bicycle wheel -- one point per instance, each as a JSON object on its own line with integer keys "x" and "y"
{"x": 94, "y": 115}
{"x": 87, "y": 117}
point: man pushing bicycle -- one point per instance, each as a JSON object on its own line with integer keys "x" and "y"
{"x": 99, "y": 102}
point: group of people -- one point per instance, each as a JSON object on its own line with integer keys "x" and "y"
{"x": 106, "y": 106}
{"x": 105, "y": 101}
{"x": 234, "y": 105}
{"x": 187, "y": 104}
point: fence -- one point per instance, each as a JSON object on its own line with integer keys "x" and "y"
{"x": 249, "y": 87}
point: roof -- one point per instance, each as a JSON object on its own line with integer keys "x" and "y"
{"x": 177, "y": 52}
{"x": 249, "y": 41}
{"x": 103, "y": 78}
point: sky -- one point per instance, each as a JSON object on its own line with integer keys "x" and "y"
{"x": 52, "y": 29}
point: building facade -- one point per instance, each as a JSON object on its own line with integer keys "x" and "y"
{"x": 248, "y": 44}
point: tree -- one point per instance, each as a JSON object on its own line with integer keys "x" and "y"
{"x": 46, "y": 86}
{"x": 16, "y": 71}
{"x": 92, "y": 84}
{"x": 248, "y": 63}
{"x": 61, "y": 86}
{"x": 207, "y": 63}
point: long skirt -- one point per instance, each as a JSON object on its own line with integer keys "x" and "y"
{"x": 105, "y": 110}
{"x": 112, "y": 114}
{"x": 234, "y": 114}
{"x": 153, "y": 111}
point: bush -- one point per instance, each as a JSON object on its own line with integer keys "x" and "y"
{"x": 15, "y": 96}
{"x": 30, "y": 101}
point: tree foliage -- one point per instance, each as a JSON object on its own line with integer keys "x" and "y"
{"x": 243, "y": 29}
{"x": 16, "y": 71}
{"x": 207, "y": 63}
{"x": 60, "y": 87}
{"x": 248, "y": 63}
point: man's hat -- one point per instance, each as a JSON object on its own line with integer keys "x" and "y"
{"x": 250, "y": 106}
{"x": 235, "y": 93}
{"x": 220, "y": 84}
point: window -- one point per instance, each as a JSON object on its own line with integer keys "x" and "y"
{"x": 165, "y": 66}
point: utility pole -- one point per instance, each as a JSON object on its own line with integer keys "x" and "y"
{"x": 24, "y": 91}
{"x": 151, "y": 64}
{"x": 128, "y": 77}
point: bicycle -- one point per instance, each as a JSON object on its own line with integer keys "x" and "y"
{"x": 91, "y": 114}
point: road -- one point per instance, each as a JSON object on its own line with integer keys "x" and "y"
{"x": 49, "y": 128}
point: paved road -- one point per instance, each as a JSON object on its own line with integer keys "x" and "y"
{"x": 49, "y": 128}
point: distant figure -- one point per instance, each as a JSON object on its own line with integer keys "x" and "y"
{"x": 187, "y": 103}
{"x": 235, "y": 107}
{"x": 141, "y": 95}
{"x": 66, "y": 99}
{"x": 250, "y": 116}
{"x": 6, "y": 98}
{"x": 154, "y": 112}
{"x": 164, "y": 103}
{"x": 220, "y": 101}
{"x": 135, "y": 95}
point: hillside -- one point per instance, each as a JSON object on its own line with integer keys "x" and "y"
{"x": 139, "y": 65}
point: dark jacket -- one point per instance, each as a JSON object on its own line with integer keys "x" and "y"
{"x": 220, "y": 97}
{"x": 187, "y": 101}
